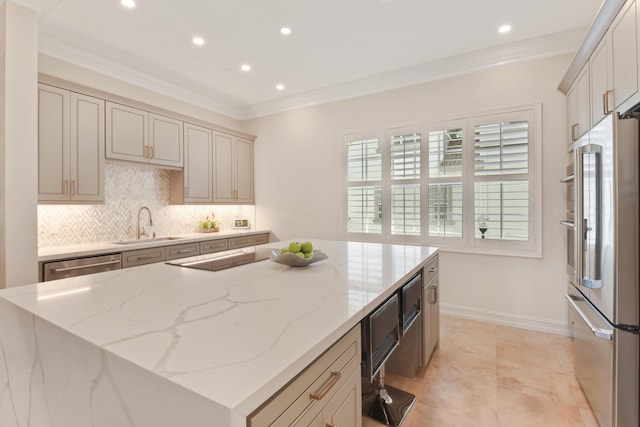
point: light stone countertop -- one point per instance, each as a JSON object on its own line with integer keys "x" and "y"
{"x": 234, "y": 336}
{"x": 89, "y": 249}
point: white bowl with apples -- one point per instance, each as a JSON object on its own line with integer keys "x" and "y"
{"x": 297, "y": 254}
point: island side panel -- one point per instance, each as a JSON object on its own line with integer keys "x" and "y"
{"x": 49, "y": 377}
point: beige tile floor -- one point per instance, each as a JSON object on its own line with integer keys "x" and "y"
{"x": 486, "y": 375}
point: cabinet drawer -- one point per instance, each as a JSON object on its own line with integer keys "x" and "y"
{"x": 431, "y": 270}
{"x": 214, "y": 246}
{"x": 143, "y": 256}
{"x": 259, "y": 239}
{"x": 315, "y": 387}
{"x": 182, "y": 251}
{"x": 241, "y": 242}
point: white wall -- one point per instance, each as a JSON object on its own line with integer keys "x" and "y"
{"x": 300, "y": 187}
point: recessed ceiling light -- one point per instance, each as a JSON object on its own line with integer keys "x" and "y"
{"x": 504, "y": 29}
{"x": 198, "y": 41}
{"x": 280, "y": 86}
{"x": 285, "y": 30}
{"x": 245, "y": 67}
{"x": 128, "y": 3}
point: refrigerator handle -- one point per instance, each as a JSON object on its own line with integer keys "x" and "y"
{"x": 589, "y": 207}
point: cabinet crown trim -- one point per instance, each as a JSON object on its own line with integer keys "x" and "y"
{"x": 599, "y": 27}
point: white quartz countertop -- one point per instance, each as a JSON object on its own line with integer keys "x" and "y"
{"x": 99, "y": 248}
{"x": 233, "y": 336}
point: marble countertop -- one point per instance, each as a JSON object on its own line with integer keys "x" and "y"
{"x": 89, "y": 249}
{"x": 234, "y": 336}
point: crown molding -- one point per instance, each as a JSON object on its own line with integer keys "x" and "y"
{"x": 82, "y": 58}
{"x": 551, "y": 45}
{"x": 598, "y": 29}
{"x": 546, "y": 46}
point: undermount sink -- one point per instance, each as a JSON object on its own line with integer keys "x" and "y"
{"x": 155, "y": 239}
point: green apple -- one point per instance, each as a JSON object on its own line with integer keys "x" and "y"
{"x": 284, "y": 250}
{"x": 294, "y": 247}
{"x": 308, "y": 254}
{"x": 307, "y": 247}
{"x": 300, "y": 254}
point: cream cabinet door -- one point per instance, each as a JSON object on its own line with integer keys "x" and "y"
{"x": 127, "y": 133}
{"x": 87, "y": 148}
{"x": 53, "y": 143}
{"x": 600, "y": 69}
{"x": 197, "y": 164}
{"x": 233, "y": 169}
{"x": 223, "y": 168}
{"x": 624, "y": 43}
{"x": 70, "y": 146}
{"x": 345, "y": 408}
{"x": 244, "y": 170}
{"x": 165, "y": 147}
{"x": 578, "y": 106}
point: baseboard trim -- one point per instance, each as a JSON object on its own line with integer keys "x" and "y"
{"x": 505, "y": 319}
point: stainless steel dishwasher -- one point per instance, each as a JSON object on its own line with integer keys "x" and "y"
{"x": 80, "y": 266}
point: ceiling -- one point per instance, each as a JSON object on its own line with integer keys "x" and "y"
{"x": 337, "y": 48}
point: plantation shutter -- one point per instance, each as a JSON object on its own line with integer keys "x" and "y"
{"x": 405, "y": 183}
{"x": 445, "y": 186}
{"x": 501, "y": 189}
{"x": 364, "y": 185}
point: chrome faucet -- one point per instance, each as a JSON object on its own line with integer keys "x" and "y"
{"x": 144, "y": 233}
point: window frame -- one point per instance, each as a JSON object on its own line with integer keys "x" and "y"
{"x": 468, "y": 243}
{"x": 456, "y": 242}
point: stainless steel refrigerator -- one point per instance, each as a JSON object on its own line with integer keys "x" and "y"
{"x": 604, "y": 297}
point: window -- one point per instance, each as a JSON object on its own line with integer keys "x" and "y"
{"x": 502, "y": 178}
{"x": 364, "y": 191}
{"x": 469, "y": 184}
{"x": 445, "y": 191}
{"x": 405, "y": 183}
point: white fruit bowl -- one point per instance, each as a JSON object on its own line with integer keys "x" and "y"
{"x": 294, "y": 260}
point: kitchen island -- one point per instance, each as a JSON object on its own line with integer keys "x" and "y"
{"x": 161, "y": 345}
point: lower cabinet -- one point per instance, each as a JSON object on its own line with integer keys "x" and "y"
{"x": 214, "y": 246}
{"x": 328, "y": 393}
{"x": 430, "y": 310}
{"x": 182, "y": 251}
{"x": 143, "y": 256}
{"x": 241, "y": 242}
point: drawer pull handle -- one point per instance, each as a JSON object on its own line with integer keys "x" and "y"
{"x": 333, "y": 379}
{"x": 330, "y": 425}
{"x": 433, "y": 269}
{"x": 141, "y": 257}
{"x": 80, "y": 267}
{"x": 184, "y": 251}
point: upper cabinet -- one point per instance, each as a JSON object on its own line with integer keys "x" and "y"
{"x": 233, "y": 169}
{"x": 218, "y": 168}
{"x": 70, "y": 146}
{"x": 77, "y": 132}
{"x": 624, "y": 53}
{"x": 609, "y": 77}
{"x": 601, "y": 74}
{"x": 139, "y": 136}
{"x": 197, "y": 164}
{"x": 578, "y": 106}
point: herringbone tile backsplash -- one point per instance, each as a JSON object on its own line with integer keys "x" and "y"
{"x": 127, "y": 188}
